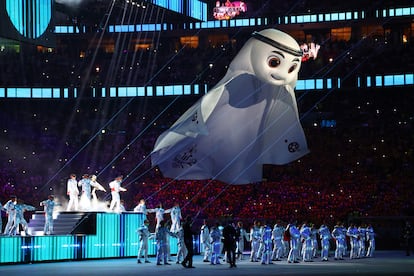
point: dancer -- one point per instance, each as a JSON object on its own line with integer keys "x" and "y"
{"x": 325, "y": 236}
{"x": 371, "y": 241}
{"x": 267, "y": 244}
{"x": 339, "y": 236}
{"x": 86, "y": 196}
{"x": 159, "y": 214}
{"x": 161, "y": 234}
{"x": 242, "y": 236}
{"x": 181, "y": 250}
{"x": 215, "y": 238}
{"x": 96, "y": 187}
{"x": 73, "y": 193}
{"x": 294, "y": 236}
{"x": 254, "y": 240}
{"x": 362, "y": 240}
{"x": 277, "y": 236}
{"x": 353, "y": 234}
{"x": 141, "y": 208}
{"x": 49, "y": 205}
{"x": 144, "y": 235}
{"x": 19, "y": 219}
{"x": 205, "y": 241}
{"x": 115, "y": 186}
{"x": 306, "y": 235}
{"x": 9, "y": 207}
{"x": 175, "y": 213}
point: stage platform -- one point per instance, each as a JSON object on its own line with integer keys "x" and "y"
{"x": 384, "y": 263}
{"x": 80, "y": 236}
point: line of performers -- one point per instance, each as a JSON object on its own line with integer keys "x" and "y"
{"x": 297, "y": 244}
{"x": 15, "y": 209}
{"x": 88, "y": 200}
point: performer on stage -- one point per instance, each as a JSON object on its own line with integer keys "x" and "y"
{"x": 18, "y": 219}
{"x": 73, "y": 193}
{"x": 96, "y": 187}
{"x": 159, "y": 214}
{"x": 49, "y": 205}
{"x": 115, "y": 186}
{"x": 9, "y": 207}
{"x": 141, "y": 208}
{"x": 86, "y": 196}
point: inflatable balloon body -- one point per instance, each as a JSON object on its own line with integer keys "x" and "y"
{"x": 248, "y": 119}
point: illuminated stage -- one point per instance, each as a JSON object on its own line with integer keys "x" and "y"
{"x": 94, "y": 235}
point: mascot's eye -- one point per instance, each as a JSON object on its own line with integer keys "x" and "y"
{"x": 273, "y": 62}
{"x": 292, "y": 68}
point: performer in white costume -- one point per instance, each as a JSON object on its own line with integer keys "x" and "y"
{"x": 294, "y": 243}
{"x": 19, "y": 219}
{"x": 339, "y": 236}
{"x": 115, "y": 187}
{"x": 143, "y": 236}
{"x": 353, "y": 235}
{"x": 255, "y": 236}
{"x": 181, "y": 249}
{"x": 205, "y": 241}
{"x": 362, "y": 240}
{"x": 267, "y": 244}
{"x": 49, "y": 205}
{"x": 371, "y": 241}
{"x": 306, "y": 237}
{"x": 159, "y": 214}
{"x": 96, "y": 187}
{"x": 325, "y": 236}
{"x": 141, "y": 208}
{"x": 85, "y": 200}
{"x": 9, "y": 207}
{"x": 73, "y": 193}
{"x": 215, "y": 239}
{"x": 248, "y": 119}
{"x": 277, "y": 237}
{"x": 242, "y": 236}
{"x": 176, "y": 218}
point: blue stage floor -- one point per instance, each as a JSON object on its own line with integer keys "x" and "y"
{"x": 384, "y": 263}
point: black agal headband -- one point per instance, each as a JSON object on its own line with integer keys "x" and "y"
{"x": 278, "y": 45}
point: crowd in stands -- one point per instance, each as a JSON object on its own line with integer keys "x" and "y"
{"x": 70, "y": 65}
